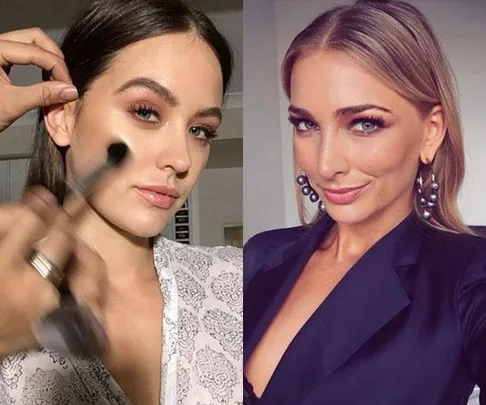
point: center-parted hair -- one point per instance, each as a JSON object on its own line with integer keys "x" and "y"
{"x": 395, "y": 42}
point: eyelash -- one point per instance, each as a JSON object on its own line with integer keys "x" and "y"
{"x": 295, "y": 121}
{"x": 209, "y": 133}
{"x": 143, "y": 109}
{"x": 377, "y": 121}
{"x": 138, "y": 109}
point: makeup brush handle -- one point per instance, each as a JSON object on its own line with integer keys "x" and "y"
{"x": 72, "y": 329}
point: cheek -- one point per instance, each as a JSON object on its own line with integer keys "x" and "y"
{"x": 306, "y": 153}
{"x": 199, "y": 159}
{"x": 92, "y": 135}
{"x": 84, "y": 156}
{"x": 392, "y": 155}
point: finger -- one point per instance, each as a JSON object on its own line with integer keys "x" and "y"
{"x": 9, "y": 215}
{"x": 34, "y": 36}
{"x": 11, "y": 212}
{"x": 35, "y": 216}
{"x": 38, "y": 95}
{"x": 37, "y": 297}
{"x": 18, "y": 53}
{"x": 59, "y": 244}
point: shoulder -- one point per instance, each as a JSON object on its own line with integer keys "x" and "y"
{"x": 465, "y": 247}
{"x": 463, "y": 260}
{"x": 275, "y": 237}
{"x": 179, "y": 251}
{"x": 472, "y": 250}
{"x": 459, "y": 257}
{"x": 258, "y": 248}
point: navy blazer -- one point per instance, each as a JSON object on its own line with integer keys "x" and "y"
{"x": 405, "y": 326}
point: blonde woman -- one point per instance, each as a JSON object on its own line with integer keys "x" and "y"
{"x": 382, "y": 298}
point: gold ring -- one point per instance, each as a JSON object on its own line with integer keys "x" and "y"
{"x": 46, "y": 268}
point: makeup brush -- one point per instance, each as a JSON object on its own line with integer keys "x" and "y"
{"x": 116, "y": 155}
{"x": 72, "y": 329}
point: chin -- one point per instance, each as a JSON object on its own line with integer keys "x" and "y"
{"x": 134, "y": 216}
{"x": 351, "y": 214}
{"x": 140, "y": 224}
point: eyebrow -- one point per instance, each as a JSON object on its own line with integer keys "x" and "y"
{"x": 152, "y": 85}
{"x": 209, "y": 112}
{"x": 168, "y": 96}
{"x": 355, "y": 109}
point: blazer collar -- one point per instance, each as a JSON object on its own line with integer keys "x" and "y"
{"x": 411, "y": 230}
{"x": 369, "y": 296}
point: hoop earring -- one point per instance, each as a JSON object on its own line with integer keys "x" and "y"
{"x": 428, "y": 203}
{"x": 307, "y": 190}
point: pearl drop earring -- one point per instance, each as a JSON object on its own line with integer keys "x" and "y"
{"x": 307, "y": 190}
{"x": 430, "y": 202}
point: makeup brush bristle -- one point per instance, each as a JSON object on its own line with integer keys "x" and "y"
{"x": 117, "y": 152}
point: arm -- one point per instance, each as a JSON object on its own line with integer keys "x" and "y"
{"x": 470, "y": 299}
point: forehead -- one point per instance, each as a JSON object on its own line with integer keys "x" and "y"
{"x": 335, "y": 80}
{"x": 181, "y": 62}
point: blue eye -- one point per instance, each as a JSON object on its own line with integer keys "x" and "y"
{"x": 302, "y": 125}
{"x": 202, "y": 133}
{"x": 367, "y": 125}
{"x": 145, "y": 113}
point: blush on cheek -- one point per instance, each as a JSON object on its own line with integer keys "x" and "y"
{"x": 305, "y": 157}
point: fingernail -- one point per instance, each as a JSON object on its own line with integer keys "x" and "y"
{"x": 69, "y": 94}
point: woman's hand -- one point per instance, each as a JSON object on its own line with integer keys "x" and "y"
{"x": 25, "y": 296}
{"x": 31, "y": 47}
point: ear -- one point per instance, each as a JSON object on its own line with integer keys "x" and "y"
{"x": 435, "y": 130}
{"x": 59, "y": 120}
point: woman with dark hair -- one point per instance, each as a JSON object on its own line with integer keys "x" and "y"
{"x": 380, "y": 298}
{"x": 151, "y": 74}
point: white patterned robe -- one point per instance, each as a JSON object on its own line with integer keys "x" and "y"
{"x": 202, "y": 341}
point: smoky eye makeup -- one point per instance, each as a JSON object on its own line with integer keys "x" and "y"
{"x": 367, "y": 124}
{"x": 302, "y": 124}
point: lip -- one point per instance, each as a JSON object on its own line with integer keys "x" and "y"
{"x": 160, "y": 196}
{"x": 343, "y": 196}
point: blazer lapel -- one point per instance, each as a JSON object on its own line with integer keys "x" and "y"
{"x": 274, "y": 280}
{"x": 367, "y": 298}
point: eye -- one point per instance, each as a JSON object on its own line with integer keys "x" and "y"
{"x": 367, "y": 125}
{"x": 302, "y": 125}
{"x": 146, "y": 113}
{"x": 202, "y": 132}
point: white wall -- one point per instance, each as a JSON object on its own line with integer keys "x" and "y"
{"x": 220, "y": 201}
{"x": 461, "y": 28}
{"x": 13, "y": 174}
{"x": 263, "y": 196}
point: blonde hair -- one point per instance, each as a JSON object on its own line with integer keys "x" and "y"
{"x": 395, "y": 41}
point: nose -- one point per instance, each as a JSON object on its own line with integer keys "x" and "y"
{"x": 333, "y": 158}
{"x": 174, "y": 151}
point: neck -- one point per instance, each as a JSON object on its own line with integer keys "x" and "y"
{"x": 129, "y": 259}
{"x": 348, "y": 241}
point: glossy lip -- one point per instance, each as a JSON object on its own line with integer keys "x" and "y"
{"x": 166, "y": 190}
{"x": 343, "y": 196}
{"x": 159, "y": 196}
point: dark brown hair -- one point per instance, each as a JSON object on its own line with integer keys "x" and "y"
{"x": 96, "y": 36}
